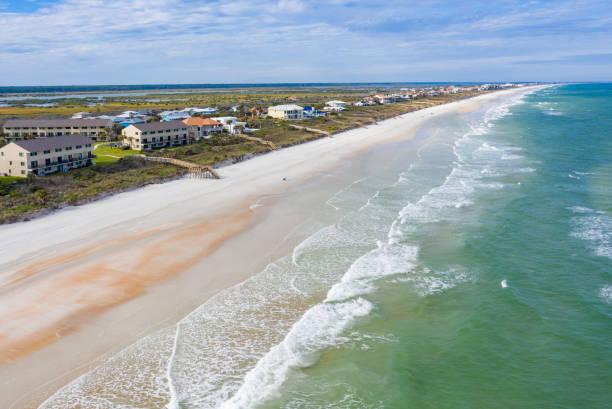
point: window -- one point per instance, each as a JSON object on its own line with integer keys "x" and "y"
{"x": 33, "y": 153}
{"x": 68, "y": 148}
{"x": 88, "y": 145}
{"x": 23, "y": 172}
{"x": 46, "y": 152}
{"x": 21, "y": 154}
{"x": 22, "y": 163}
{"x": 58, "y": 149}
{"x": 78, "y": 147}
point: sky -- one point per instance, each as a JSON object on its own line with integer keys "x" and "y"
{"x": 79, "y": 42}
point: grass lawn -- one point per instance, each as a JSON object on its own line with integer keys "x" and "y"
{"x": 107, "y": 155}
{"x": 9, "y": 179}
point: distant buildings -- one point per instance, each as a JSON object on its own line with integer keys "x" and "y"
{"x": 132, "y": 121}
{"x": 202, "y": 127}
{"x": 155, "y": 135}
{"x": 21, "y": 128}
{"x": 81, "y": 115}
{"x": 336, "y": 104}
{"x": 45, "y": 155}
{"x": 384, "y": 99}
{"x": 204, "y": 111}
{"x": 175, "y": 115}
{"x": 289, "y": 111}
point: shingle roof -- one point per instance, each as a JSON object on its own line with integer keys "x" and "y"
{"x": 159, "y": 126}
{"x": 195, "y": 121}
{"x": 54, "y": 123}
{"x": 44, "y": 144}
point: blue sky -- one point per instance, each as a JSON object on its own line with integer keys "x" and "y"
{"x": 56, "y": 42}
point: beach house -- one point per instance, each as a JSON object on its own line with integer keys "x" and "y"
{"x": 231, "y": 124}
{"x": 202, "y": 127}
{"x": 288, "y": 111}
{"x": 155, "y": 135}
{"x": 41, "y": 156}
{"x": 336, "y": 103}
{"x": 16, "y": 129}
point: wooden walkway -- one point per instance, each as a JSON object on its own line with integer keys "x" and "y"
{"x": 256, "y": 139}
{"x": 303, "y": 128}
{"x": 195, "y": 170}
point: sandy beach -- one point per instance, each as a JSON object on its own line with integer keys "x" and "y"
{"x": 78, "y": 285}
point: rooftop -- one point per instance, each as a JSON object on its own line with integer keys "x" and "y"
{"x": 55, "y": 123}
{"x": 286, "y": 107}
{"x": 195, "y": 121}
{"x": 159, "y": 126}
{"x": 43, "y": 144}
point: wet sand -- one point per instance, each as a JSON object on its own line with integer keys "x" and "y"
{"x": 80, "y": 284}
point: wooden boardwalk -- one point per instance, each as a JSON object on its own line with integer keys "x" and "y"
{"x": 303, "y": 128}
{"x": 256, "y": 139}
{"x": 195, "y": 170}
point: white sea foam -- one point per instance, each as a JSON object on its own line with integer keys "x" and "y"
{"x": 429, "y": 282}
{"x": 338, "y": 198}
{"x": 606, "y": 293}
{"x": 511, "y": 157}
{"x": 317, "y": 329}
{"x": 595, "y": 227}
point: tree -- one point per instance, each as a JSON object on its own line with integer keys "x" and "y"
{"x": 117, "y": 129}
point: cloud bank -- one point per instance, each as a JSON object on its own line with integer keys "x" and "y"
{"x": 188, "y": 41}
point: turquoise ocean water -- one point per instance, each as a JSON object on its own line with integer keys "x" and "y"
{"x": 468, "y": 268}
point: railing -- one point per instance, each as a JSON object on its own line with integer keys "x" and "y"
{"x": 194, "y": 169}
{"x": 262, "y": 141}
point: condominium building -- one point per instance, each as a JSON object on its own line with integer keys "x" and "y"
{"x": 41, "y": 156}
{"x": 16, "y": 129}
{"x": 155, "y": 135}
{"x": 289, "y": 111}
{"x": 202, "y": 127}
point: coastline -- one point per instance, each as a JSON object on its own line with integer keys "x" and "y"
{"x": 244, "y": 184}
{"x": 54, "y": 206}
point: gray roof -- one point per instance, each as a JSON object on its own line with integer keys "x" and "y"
{"x": 159, "y": 126}
{"x": 45, "y": 144}
{"x": 54, "y": 123}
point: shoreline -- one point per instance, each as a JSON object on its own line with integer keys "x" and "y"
{"x": 36, "y": 213}
{"x": 254, "y": 183}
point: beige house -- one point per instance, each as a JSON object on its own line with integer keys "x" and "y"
{"x": 16, "y": 129}
{"x": 45, "y": 155}
{"x": 155, "y": 135}
{"x": 202, "y": 127}
{"x": 289, "y": 111}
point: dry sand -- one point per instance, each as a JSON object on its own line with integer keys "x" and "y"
{"x": 79, "y": 284}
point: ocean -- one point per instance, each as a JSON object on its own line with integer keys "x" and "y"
{"x": 468, "y": 267}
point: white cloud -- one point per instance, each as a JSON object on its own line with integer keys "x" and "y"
{"x": 121, "y": 41}
{"x": 290, "y": 6}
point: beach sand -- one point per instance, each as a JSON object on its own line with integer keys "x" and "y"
{"x": 81, "y": 284}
